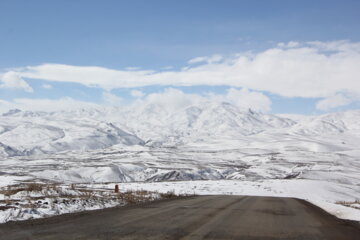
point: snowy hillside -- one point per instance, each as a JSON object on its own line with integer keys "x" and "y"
{"x": 199, "y": 123}
{"x": 29, "y": 133}
{"x": 151, "y": 143}
{"x": 216, "y": 142}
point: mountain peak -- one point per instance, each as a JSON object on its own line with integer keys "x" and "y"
{"x": 11, "y": 112}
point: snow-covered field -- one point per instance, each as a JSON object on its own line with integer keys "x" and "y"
{"x": 36, "y": 200}
{"x": 203, "y": 149}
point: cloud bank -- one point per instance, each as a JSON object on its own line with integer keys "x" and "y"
{"x": 308, "y": 70}
{"x": 48, "y": 105}
{"x": 170, "y": 99}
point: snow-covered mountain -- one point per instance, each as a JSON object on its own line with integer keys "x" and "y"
{"x": 333, "y": 123}
{"x": 276, "y": 155}
{"x": 199, "y": 123}
{"x": 28, "y": 133}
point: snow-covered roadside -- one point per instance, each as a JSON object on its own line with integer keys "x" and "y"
{"x": 324, "y": 194}
{"x": 31, "y": 201}
{"x": 53, "y": 200}
{"x": 47, "y": 207}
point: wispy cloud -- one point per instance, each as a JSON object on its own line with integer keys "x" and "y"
{"x": 212, "y": 59}
{"x": 46, "y": 86}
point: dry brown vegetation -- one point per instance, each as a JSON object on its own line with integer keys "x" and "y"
{"x": 133, "y": 197}
{"x": 34, "y": 187}
{"x": 61, "y": 195}
{"x": 52, "y": 199}
{"x": 349, "y": 204}
{"x": 168, "y": 195}
{"x": 29, "y": 187}
{"x": 9, "y": 191}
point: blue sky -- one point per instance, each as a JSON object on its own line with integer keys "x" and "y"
{"x": 162, "y": 36}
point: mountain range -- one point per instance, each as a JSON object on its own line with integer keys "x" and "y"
{"x": 32, "y": 133}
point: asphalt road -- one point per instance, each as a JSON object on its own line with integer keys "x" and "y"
{"x": 202, "y": 217}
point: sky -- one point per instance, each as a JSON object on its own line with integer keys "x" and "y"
{"x": 275, "y": 56}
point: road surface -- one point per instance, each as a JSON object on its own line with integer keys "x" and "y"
{"x": 200, "y": 217}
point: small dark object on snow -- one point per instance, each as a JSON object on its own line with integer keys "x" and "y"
{"x": 116, "y": 188}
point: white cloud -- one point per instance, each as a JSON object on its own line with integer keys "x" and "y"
{"x": 13, "y": 79}
{"x": 167, "y": 68}
{"x": 133, "y": 68}
{"x": 89, "y": 76}
{"x": 313, "y": 69}
{"x": 48, "y": 105}
{"x": 290, "y": 44}
{"x": 170, "y": 99}
{"x": 111, "y": 99}
{"x": 5, "y": 106}
{"x": 245, "y": 98}
{"x": 343, "y": 45}
{"x": 137, "y": 93}
{"x": 46, "y": 86}
{"x": 337, "y": 100}
{"x": 197, "y": 60}
{"x": 212, "y": 59}
{"x": 173, "y": 99}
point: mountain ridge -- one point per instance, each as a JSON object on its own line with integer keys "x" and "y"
{"x": 32, "y": 132}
